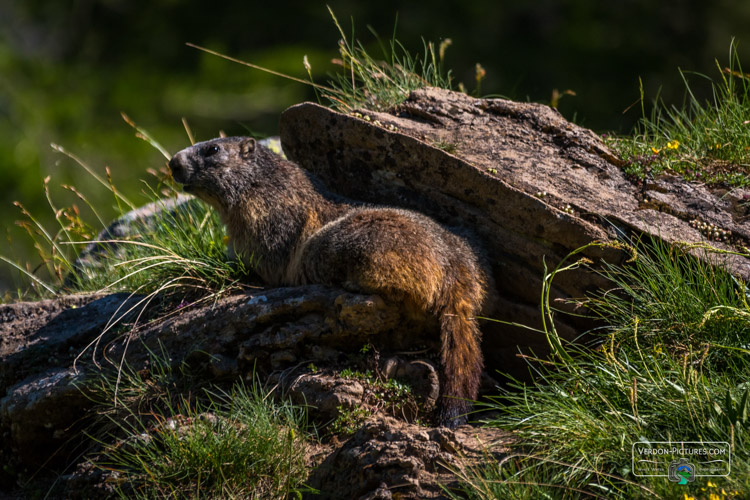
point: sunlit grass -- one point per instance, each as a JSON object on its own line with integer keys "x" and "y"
{"x": 671, "y": 365}
{"x": 380, "y": 84}
{"x": 701, "y": 141}
{"x": 163, "y": 434}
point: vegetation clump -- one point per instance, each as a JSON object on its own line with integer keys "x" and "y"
{"x": 704, "y": 142}
{"x": 163, "y": 436}
{"x": 670, "y": 365}
{"x": 381, "y": 396}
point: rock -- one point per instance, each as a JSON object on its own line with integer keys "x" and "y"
{"x": 38, "y": 416}
{"x": 235, "y": 337}
{"x": 421, "y": 374}
{"x": 40, "y": 400}
{"x": 327, "y": 395}
{"x": 89, "y": 481}
{"x": 42, "y": 413}
{"x": 531, "y": 185}
{"x": 388, "y": 458}
{"x": 35, "y": 336}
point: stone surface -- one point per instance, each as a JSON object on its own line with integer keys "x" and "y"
{"x": 258, "y": 332}
{"x": 41, "y": 405}
{"x": 273, "y": 334}
{"x": 327, "y": 394}
{"x": 531, "y": 186}
{"x": 390, "y": 459}
{"x": 39, "y": 415}
{"x": 35, "y": 336}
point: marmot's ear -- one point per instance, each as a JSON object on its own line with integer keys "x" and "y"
{"x": 247, "y": 148}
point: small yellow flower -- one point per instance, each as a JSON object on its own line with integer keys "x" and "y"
{"x": 710, "y": 484}
{"x": 656, "y": 151}
{"x": 713, "y": 496}
{"x": 688, "y": 497}
{"x": 673, "y": 144}
{"x": 226, "y": 239}
{"x": 480, "y": 72}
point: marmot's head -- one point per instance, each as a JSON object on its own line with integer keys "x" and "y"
{"x": 221, "y": 172}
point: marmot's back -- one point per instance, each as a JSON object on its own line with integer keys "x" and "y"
{"x": 402, "y": 253}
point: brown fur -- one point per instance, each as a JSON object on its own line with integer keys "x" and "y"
{"x": 298, "y": 233}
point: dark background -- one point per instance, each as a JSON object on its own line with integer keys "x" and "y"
{"x": 67, "y": 70}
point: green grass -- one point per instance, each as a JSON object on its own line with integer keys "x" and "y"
{"x": 675, "y": 301}
{"x": 163, "y": 434}
{"x": 180, "y": 255}
{"x": 672, "y": 364}
{"x": 448, "y": 147}
{"x": 388, "y": 396}
{"x": 366, "y": 82}
{"x": 700, "y": 141}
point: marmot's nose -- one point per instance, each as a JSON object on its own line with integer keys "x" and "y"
{"x": 178, "y": 167}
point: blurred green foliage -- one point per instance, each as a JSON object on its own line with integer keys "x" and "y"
{"x": 67, "y": 70}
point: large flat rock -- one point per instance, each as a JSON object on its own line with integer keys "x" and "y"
{"x": 532, "y": 186}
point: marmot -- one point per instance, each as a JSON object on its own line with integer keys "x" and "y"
{"x": 297, "y": 232}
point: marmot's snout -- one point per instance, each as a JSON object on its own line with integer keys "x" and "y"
{"x": 180, "y": 167}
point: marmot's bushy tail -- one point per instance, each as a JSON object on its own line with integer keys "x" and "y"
{"x": 461, "y": 359}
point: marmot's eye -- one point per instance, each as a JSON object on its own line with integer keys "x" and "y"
{"x": 211, "y": 150}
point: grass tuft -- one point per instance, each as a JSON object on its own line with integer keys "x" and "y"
{"x": 380, "y": 85}
{"x": 157, "y": 443}
{"x": 701, "y": 141}
{"x": 180, "y": 248}
{"x": 671, "y": 365}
